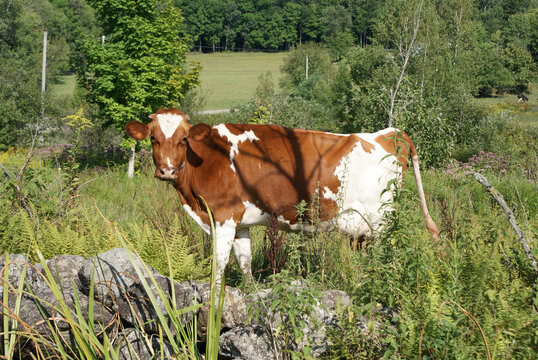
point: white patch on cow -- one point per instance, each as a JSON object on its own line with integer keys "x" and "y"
{"x": 169, "y": 123}
{"x": 364, "y": 177}
{"x": 234, "y": 140}
{"x": 328, "y": 194}
{"x": 168, "y": 161}
{"x": 196, "y": 218}
{"x": 337, "y": 134}
{"x": 253, "y": 215}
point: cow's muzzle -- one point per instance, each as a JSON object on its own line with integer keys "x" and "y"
{"x": 168, "y": 173}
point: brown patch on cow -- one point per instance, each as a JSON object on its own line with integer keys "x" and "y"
{"x": 398, "y": 144}
{"x": 366, "y": 146}
{"x": 287, "y": 166}
{"x": 199, "y": 132}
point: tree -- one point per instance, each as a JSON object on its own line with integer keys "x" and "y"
{"x": 141, "y": 65}
{"x": 423, "y": 68}
{"x": 294, "y": 69}
{"x": 337, "y": 30}
{"x": 519, "y": 61}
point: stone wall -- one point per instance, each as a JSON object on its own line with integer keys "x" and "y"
{"x": 123, "y": 309}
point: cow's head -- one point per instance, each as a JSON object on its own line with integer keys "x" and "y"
{"x": 168, "y": 132}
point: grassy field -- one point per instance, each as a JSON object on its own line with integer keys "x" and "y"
{"x": 231, "y": 78}
{"x": 227, "y": 78}
{"x": 64, "y": 86}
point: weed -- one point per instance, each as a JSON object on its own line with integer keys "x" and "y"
{"x": 273, "y": 242}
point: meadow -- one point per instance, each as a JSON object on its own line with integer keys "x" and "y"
{"x": 227, "y": 79}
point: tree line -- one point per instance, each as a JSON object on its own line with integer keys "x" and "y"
{"x": 369, "y": 60}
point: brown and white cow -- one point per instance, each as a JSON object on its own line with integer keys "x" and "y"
{"x": 245, "y": 172}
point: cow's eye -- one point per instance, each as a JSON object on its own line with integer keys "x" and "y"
{"x": 152, "y": 139}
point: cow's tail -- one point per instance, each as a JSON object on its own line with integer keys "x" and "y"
{"x": 434, "y": 231}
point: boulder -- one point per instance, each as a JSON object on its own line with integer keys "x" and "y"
{"x": 38, "y": 303}
{"x": 234, "y": 312}
{"x": 113, "y": 272}
{"x": 136, "y": 305}
{"x": 246, "y": 342}
{"x": 64, "y": 270}
{"x": 133, "y": 344}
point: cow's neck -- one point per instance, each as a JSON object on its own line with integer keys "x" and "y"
{"x": 187, "y": 195}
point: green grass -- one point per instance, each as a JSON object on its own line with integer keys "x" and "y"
{"x": 532, "y": 94}
{"x": 64, "y": 86}
{"x": 231, "y": 78}
{"x": 227, "y": 79}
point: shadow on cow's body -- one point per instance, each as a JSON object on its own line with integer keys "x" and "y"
{"x": 245, "y": 172}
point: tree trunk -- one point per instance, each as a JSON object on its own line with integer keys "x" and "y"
{"x": 511, "y": 219}
{"x": 130, "y": 169}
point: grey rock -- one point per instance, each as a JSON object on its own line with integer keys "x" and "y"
{"x": 15, "y": 266}
{"x": 133, "y": 344}
{"x": 64, "y": 270}
{"x": 323, "y": 315}
{"x": 234, "y": 312}
{"x": 38, "y": 303}
{"x": 334, "y": 299}
{"x": 113, "y": 272}
{"x": 246, "y": 342}
{"x": 136, "y": 305}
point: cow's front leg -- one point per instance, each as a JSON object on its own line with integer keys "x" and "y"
{"x": 225, "y": 234}
{"x": 242, "y": 251}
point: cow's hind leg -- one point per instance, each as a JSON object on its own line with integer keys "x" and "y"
{"x": 358, "y": 241}
{"x": 242, "y": 251}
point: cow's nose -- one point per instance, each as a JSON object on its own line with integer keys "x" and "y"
{"x": 166, "y": 173}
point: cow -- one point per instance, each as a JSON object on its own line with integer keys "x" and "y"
{"x": 522, "y": 97}
{"x": 245, "y": 172}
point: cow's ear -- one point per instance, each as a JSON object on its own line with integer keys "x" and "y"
{"x": 137, "y": 130}
{"x": 199, "y": 132}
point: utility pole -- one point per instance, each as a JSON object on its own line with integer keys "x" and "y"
{"x": 306, "y": 67}
{"x": 40, "y": 126}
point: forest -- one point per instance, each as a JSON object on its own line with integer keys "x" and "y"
{"x": 464, "y": 49}
{"x": 459, "y": 76}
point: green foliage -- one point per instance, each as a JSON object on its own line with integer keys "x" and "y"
{"x": 412, "y": 76}
{"x": 285, "y": 313}
{"x": 140, "y": 67}
{"x": 21, "y": 33}
{"x": 64, "y": 200}
{"x": 350, "y": 341}
{"x": 519, "y": 61}
{"x": 294, "y": 67}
